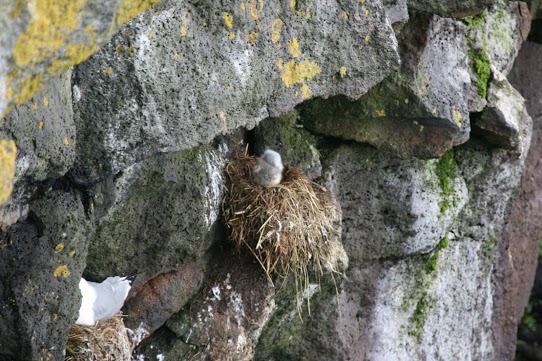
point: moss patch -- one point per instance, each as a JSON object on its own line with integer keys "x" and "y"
{"x": 445, "y": 170}
{"x": 424, "y": 301}
{"x": 478, "y": 56}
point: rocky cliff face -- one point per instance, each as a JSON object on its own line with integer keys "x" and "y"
{"x": 402, "y": 108}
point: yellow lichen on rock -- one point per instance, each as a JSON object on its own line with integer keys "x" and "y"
{"x": 293, "y": 48}
{"x": 276, "y": 29}
{"x": 297, "y": 73}
{"x": 52, "y": 21}
{"x": 61, "y": 271}
{"x": 252, "y": 38}
{"x": 130, "y": 8}
{"x": 228, "y": 20}
{"x": 305, "y": 92}
{"x": 8, "y": 155}
{"x": 256, "y": 7}
{"x": 457, "y": 117}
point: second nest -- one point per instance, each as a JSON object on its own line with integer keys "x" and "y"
{"x": 293, "y": 227}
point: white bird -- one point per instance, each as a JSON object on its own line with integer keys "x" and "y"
{"x": 102, "y": 300}
{"x": 268, "y": 169}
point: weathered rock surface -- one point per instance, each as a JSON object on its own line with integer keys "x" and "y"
{"x": 41, "y": 41}
{"x": 45, "y": 132}
{"x": 503, "y": 120}
{"x": 41, "y": 261}
{"x": 523, "y": 236}
{"x": 427, "y": 100}
{"x": 181, "y": 74}
{"x": 450, "y": 8}
{"x": 157, "y": 215}
{"x": 224, "y": 321}
{"x": 397, "y": 309}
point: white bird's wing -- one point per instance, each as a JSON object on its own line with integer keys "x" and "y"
{"x": 105, "y": 304}
{"x": 102, "y": 300}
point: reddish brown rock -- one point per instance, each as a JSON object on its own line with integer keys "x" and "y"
{"x": 519, "y": 251}
{"x": 156, "y": 300}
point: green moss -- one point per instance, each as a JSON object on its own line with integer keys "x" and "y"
{"x": 425, "y": 275}
{"x": 425, "y": 303}
{"x": 478, "y": 58}
{"x": 529, "y": 316}
{"x": 445, "y": 172}
{"x": 489, "y": 247}
{"x": 431, "y": 265}
{"x": 475, "y": 21}
{"x": 540, "y": 246}
{"x": 482, "y": 68}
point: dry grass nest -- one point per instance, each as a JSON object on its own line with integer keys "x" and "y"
{"x": 106, "y": 341}
{"x": 291, "y": 228}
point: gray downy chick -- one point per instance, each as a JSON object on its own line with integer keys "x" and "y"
{"x": 268, "y": 169}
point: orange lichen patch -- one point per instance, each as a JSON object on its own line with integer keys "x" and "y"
{"x": 342, "y": 71}
{"x": 42, "y": 124}
{"x": 108, "y": 70}
{"x": 228, "y": 20}
{"x": 61, "y": 271}
{"x": 293, "y": 3}
{"x": 46, "y": 102}
{"x": 8, "y": 154}
{"x": 293, "y": 48}
{"x": 130, "y": 8}
{"x": 59, "y": 247}
{"x": 231, "y": 35}
{"x": 252, "y": 38}
{"x": 297, "y": 73}
{"x": 183, "y": 30}
{"x": 71, "y": 254}
{"x": 367, "y": 39}
{"x": 66, "y": 142}
{"x": 243, "y": 6}
{"x": 35, "y": 106}
{"x": 280, "y": 64}
{"x": 345, "y": 16}
{"x": 176, "y": 56}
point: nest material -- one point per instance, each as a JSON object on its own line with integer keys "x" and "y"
{"x": 106, "y": 341}
{"x": 293, "y": 227}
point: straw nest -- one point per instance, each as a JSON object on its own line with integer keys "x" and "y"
{"x": 291, "y": 228}
{"x": 106, "y": 341}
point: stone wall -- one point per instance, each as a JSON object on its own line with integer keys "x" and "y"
{"x": 402, "y": 108}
